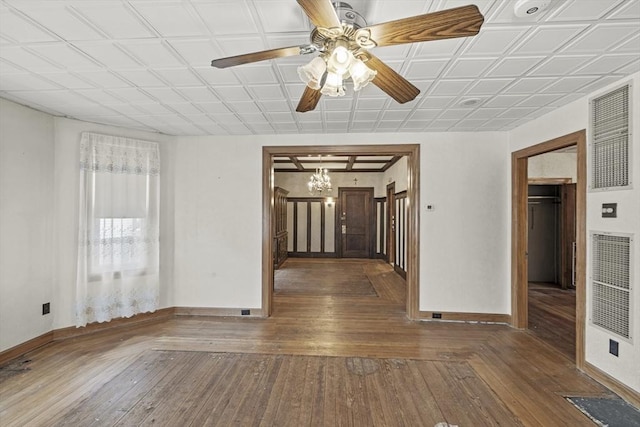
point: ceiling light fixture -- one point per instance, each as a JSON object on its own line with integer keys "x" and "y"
{"x": 320, "y": 182}
{"x": 329, "y": 71}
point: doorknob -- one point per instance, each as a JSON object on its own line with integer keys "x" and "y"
{"x": 344, "y": 229}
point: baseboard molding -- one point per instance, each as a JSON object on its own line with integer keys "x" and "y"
{"x": 465, "y": 317}
{"x": 400, "y": 271}
{"x": 158, "y": 315}
{"x": 217, "y": 312}
{"x": 72, "y": 331}
{"x": 25, "y": 347}
{"x": 622, "y": 390}
{"x": 312, "y": 255}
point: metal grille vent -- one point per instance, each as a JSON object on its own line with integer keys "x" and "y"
{"x": 610, "y": 139}
{"x": 611, "y": 283}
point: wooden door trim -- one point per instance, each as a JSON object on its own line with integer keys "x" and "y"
{"x": 549, "y": 181}
{"x": 519, "y": 183}
{"x": 412, "y": 151}
{"x": 390, "y": 234}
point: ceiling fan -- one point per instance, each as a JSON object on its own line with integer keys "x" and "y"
{"x": 343, "y": 39}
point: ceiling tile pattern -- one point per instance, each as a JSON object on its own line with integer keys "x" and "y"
{"x": 145, "y": 64}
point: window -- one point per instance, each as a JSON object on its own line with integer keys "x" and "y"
{"x": 118, "y": 248}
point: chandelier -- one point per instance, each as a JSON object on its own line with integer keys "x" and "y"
{"x": 320, "y": 182}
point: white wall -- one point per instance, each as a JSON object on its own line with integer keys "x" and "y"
{"x": 396, "y": 173}
{"x": 571, "y": 118}
{"x": 554, "y": 165}
{"x": 26, "y": 223}
{"x": 464, "y": 250}
{"x": 218, "y": 223}
{"x": 67, "y": 151}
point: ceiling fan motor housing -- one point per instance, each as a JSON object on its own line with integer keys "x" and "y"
{"x": 351, "y": 21}
{"x": 348, "y": 16}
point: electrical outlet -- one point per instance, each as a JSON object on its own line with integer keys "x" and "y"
{"x": 245, "y": 312}
{"x": 436, "y": 315}
{"x": 46, "y": 308}
{"x": 613, "y": 347}
{"x": 609, "y": 210}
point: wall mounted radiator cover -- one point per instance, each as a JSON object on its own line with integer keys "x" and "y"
{"x": 610, "y": 135}
{"x": 611, "y": 280}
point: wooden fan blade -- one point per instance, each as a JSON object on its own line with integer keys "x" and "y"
{"x": 462, "y": 21}
{"x": 321, "y": 13}
{"x": 230, "y": 61}
{"x": 392, "y": 83}
{"x": 309, "y": 100}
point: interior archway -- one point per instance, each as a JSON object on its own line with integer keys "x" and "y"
{"x": 412, "y": 151}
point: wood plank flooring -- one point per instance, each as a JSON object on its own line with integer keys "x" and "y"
{"x": 552, "y": 316}
{"x": 465, "y": 374}
{"x": 298, "y": 276}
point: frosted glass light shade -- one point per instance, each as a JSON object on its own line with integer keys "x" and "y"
{"x": 361, "y": 74}
{"x": 312, "y": 73}
{"x": 340, "y": 60}
{"x": 333, "y": 85}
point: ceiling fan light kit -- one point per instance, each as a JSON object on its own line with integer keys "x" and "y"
{"x": 343, "y": 39}
{"x": 328, "y": 71}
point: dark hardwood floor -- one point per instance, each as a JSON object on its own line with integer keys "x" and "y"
{"x": 552, "y": 316}
{"x": 321, "y": 359}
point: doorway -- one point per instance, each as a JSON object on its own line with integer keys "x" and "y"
{"x": 519, "y": 234}
{"x": 412, "y": 153}
{"x": 551, "y": 250}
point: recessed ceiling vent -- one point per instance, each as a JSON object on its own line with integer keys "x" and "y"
{"x": 525, "y": 8}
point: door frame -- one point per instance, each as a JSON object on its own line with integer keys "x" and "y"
{"x": 519, "y": 268}
{"x": 371, "y": 225}
{"x": 390, "y": 229}
{"x": 411, "y": 151}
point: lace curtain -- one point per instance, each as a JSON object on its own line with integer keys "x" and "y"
{"x": 118, "y": 248}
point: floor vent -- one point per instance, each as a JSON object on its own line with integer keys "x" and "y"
{"x": 611, "y": 280}
{"x": 610, "y": 130}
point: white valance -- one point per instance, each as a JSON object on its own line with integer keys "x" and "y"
{"x": 117, "y": 154}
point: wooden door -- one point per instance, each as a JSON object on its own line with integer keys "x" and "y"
{"x": 391, "y": 223}
{"x": 355, "y": 222}
{"x": 568, "y": 236}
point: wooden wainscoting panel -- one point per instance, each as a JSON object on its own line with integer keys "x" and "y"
{"x": 311, "y": 236}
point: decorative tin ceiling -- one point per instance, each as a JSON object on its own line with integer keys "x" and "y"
{"x": 146, "y": 65}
